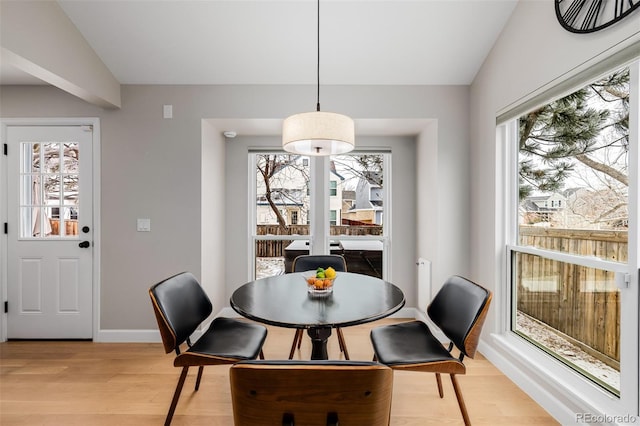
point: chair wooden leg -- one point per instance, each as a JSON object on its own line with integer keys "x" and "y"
{"x": 463, "y": 408}
{"x": 342, "y": 343}
{"x": 439, "y": 380}
{"x": 296, "y": 339}
{"x": 176, "y": 396}
{"x": 200, "y": 370}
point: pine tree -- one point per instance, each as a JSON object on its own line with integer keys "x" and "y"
{"x": 556, "y": 136}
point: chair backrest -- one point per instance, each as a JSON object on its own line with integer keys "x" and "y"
{"x": 180, "y": 305}
{"x": 459, "y": 310}
{"x": 308, "y": 262}
{"x": 311, "y": 393}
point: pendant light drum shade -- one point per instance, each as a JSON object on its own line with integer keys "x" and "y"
{"x": 318, "y": 133}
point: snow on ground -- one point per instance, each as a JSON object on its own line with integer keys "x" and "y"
{"x": 570, "y": 352}
{"x": 269, "y": 266}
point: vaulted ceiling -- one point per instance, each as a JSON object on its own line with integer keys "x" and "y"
{"x": 377, "y": 42}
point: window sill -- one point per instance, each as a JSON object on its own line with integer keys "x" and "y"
{"x": 564, "y": 393}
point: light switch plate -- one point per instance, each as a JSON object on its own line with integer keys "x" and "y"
{"x": 144, "y": 225}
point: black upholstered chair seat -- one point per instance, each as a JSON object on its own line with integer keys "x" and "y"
{"x": 411, "y": 343}
{"x": 458, "y": 310}
{"x": 181, "y": 306}
{"x": 234, "y": 340}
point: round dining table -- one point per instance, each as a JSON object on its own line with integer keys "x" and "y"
{"x": 283, "y": 301}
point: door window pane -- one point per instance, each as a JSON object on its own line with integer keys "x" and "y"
{"x": 282, "y": 208}
{"x": 356, "y": 200}
{"x": 282, "y": 183}
{"x": 283, "y": 205}
{"x": 49, "y": 189}
{"x": 359, "y": 194}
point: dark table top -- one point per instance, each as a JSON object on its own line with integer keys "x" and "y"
{"x": 284, "y": 301}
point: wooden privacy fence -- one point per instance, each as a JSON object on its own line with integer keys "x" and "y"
{"x": 582, "y": 303}
{"x": 272, "y": 248}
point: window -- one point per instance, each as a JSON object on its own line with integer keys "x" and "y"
{"x": 280, "y": 184}
{"x": 289, "y": 190}
{"x": 333, "y": 188}
{"x": 49, "y": 176}
{"x": 569, "y": 262}
{"x": 360, "y": 180}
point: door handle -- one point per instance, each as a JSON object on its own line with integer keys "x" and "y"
{"x": 84, "y": 244}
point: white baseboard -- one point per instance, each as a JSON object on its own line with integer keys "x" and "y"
{"x": 153, "y": 336}
{"x": 128, "y": 336}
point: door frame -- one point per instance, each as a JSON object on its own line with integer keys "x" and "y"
{"x": 95, "y": 187}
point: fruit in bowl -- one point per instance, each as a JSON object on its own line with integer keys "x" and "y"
{"x": 321, "y": 280}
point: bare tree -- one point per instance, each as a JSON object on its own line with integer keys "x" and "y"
{"x": 275, "y": 170}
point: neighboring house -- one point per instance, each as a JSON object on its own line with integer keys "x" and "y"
{"x": 577, "y": 208}
{"x": 348, "y": 200}
{"x": 549, "y": 202}
{"x": 335, "y": 196}
{"x": 290, "y": 194}
{"x": 293, "y": 212}
{"x": 541, "y": 208}
{"x": 368, "y": 206}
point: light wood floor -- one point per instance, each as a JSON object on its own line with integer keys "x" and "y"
{"x": 94, "y": 384}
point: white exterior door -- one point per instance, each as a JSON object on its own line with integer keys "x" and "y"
{"x": 49, "y": 232}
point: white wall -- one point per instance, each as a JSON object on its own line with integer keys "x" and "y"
{"x": 155, "y": 168}
{"x": 427, "y": 192}
{"x": 213, "y": 216}
{"x": 533, "y": 55}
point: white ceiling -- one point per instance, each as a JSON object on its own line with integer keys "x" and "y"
{"x": 378, "y": 42}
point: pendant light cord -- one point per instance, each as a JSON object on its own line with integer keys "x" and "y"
{"x": 318, "y": 67}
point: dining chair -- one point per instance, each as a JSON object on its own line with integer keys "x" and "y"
{"x": 458, "y": 310}
{"x": 311, "y": 393}
{"x": 309, "y": 262}
{"x": 181, "y": 306}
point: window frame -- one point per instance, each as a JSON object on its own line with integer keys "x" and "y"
{"x": 385, "y": 238}
{"x": 318, "y": 216}
{"x": 252, "y": 216}
{"x": 548, "y": 368}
